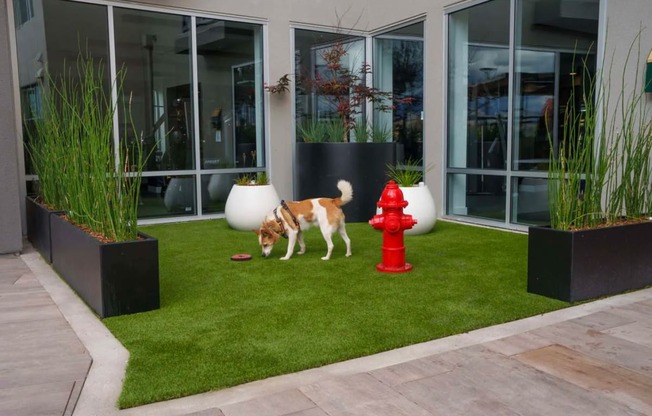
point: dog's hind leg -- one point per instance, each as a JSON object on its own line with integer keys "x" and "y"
{"x": 345, "y": 237}
{"x": 302, "y": 244}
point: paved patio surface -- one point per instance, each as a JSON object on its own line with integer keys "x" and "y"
{"x": 591, "y": 359}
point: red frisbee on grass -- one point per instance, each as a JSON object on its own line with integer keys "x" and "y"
{"x": 241, "y": 257}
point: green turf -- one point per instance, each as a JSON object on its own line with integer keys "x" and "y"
{"x": 224, "y": 323}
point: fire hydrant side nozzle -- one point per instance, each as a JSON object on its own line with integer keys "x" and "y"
{"x": 393, "y": 223}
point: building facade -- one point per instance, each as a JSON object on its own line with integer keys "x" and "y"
{"x": 488, "y": 81}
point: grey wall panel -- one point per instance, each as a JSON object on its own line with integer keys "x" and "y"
{"x": 10, "y": 228}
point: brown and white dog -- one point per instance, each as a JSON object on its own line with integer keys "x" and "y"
{"x": 292, "y": 218}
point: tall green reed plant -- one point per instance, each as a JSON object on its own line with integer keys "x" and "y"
{"x": 631, "y": 125}
{"x": 83, "y": 174}
{"x": 601, "y": 171}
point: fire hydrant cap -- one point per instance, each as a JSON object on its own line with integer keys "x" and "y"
{"x": 392, "y": 197}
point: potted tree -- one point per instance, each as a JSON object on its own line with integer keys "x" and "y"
{"x": 600, "y": 199}
{"x": 342, "y": 144}
{"x": 95, "y": 245}
{"x": 421, "y": 204}
{"x": 250, "y": 199}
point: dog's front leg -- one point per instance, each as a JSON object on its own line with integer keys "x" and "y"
{"x": 292, "y": 239}
{"x": 302, "y": 244}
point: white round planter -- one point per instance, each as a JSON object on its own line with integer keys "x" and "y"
{"x": 247, "y": 205}
{"x": 421, "y": 206}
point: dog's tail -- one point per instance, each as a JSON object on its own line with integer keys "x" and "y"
{"x": 347, "y": 193}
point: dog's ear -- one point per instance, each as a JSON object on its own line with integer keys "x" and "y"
{"x": 257, "y": 231}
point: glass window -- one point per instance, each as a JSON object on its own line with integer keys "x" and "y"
{"x": 530, "y": 201}
{"x": 480, "y": 196}
{"x": 554, "y": 50}
{"x": 310, "y": 65}
{"x": 478, "y": 68}
{"x": 229, "y": 71}
{"x": 163, "y": 196}
{"x": 215, "y": 190}
{"x": 55, "y": 46}
{"x": 398, "y": 68}
{"x": 23, "y": 11}
{"x": 155, "y": 50}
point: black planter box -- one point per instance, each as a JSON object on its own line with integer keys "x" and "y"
{"x": 112, "y": 278}
{"x": 320, "y": 165}
{"x": 579, "y": 265}
{"x": 38, "y": 227}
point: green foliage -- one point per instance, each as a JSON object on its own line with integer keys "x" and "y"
{"x": 346, "y": 90}
{"x": 259, "y": 178}
{"x": 381, "y": 134}
{"x": 262, "y": 178}
{"x": 409, "y": 173}
{"x": 223, "y": 323}
{"x": 602, "y": 171}
{"x": 73, "y": 155}
{"x": 335, "y": 131}
{"x": 313, "y": 131}
{"x": 365, "y": 132}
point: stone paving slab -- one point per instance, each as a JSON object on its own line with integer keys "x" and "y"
{"x": 43, "y": 364}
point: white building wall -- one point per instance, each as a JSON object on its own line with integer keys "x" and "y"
{"x": 370, "y": 16}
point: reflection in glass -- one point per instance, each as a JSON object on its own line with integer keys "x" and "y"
{"x": 162, "y": 196}
{"x": 549, "y": 67}
{"x": 398, "y": 67}
{"x": 530, "y": 201}
{"x": 229, "y": 71}
{"x": 310, "y": 47}
{"x": 483, "y": 196}
{"x": 478, "y": 68}
{"x": 69, "y": 33}
{"x": 154, "y": 48}
{"x": 215, "y": 190}
{"x": 554, "y": 54}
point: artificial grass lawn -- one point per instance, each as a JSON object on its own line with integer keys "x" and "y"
{"x": 224, "y": 323}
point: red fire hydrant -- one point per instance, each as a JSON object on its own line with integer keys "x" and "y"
{"x": 393, "y": 222}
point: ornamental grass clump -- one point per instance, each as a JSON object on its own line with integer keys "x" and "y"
{"x": 72, "y": 151}
{"x": 601, "y": 174}
{"x": 409, "y": 173}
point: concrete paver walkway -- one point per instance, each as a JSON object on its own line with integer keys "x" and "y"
{"x": 591, "y": 359}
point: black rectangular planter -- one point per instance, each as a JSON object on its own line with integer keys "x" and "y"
{"x": 320, "y": 165}
{"x": 112, "y": 278}
{"x": 579, "y": 265}
{"x": 38, "y": 227}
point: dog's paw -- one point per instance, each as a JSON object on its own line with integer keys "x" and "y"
{"x": 348, "y": 254}
{"x": 301, "y": 252}
{"x": 285, "y": 258}
{"x": 325, "y": 258}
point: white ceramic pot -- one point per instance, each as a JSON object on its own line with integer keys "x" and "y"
{"x": 247, "y": 205}
{"x": 421, "y": 206}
